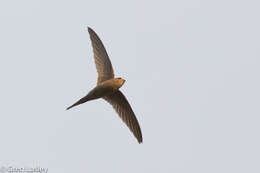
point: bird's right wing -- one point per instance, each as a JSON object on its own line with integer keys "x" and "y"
{"x": 125, "y": 112}
{"x": 102, "y": 61}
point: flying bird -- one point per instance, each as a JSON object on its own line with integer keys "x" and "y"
{"x": 108, "y": 87}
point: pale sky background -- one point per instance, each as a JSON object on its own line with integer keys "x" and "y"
{"x": 192, "y": 69}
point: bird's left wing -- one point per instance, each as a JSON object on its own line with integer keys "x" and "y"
{"x": 125, "y": 112}
{"x": 102, "y": 61}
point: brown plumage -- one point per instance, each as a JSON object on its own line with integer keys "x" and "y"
{"x": 108, "y": 87}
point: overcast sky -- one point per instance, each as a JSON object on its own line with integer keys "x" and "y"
{"x": 192, "y": 77}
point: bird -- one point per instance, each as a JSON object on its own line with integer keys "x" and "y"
{"x": 108, "y": 87}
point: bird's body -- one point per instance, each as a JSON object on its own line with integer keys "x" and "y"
{"x": 108, "y": 87}
{"x": 101, "y": 90}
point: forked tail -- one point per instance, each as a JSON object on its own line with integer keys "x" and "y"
{"x": 82, "y": 100}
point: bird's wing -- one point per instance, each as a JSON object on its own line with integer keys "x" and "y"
{"x": 124, "y": 110}
{"x": 103, "y": 64}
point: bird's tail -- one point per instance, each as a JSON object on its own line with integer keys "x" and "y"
{"x": 82, "y": 100}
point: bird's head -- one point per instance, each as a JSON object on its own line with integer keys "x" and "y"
{"x": 119, "y": 81}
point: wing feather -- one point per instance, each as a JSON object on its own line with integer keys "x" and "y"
{"x": 125, "y": 112}
{"x": 102, "y": 61}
